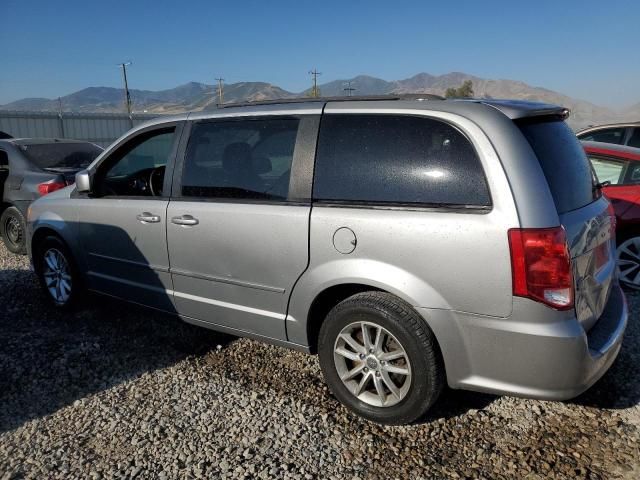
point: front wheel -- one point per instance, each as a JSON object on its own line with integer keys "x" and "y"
{"x": 57, "y": 272}
{"x": 380, "y": 359}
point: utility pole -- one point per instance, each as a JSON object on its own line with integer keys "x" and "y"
{"x": 314, "y": 90}
{"x": 127, "y": 97}
{"x": 349, "y": 89}
{"x": 220, "y": 90}
{"x": 60, "y": 119}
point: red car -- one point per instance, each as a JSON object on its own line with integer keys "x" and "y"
{"x": 618, "y": 167}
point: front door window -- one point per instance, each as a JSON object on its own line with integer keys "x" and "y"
{"x": 137, "y": 168}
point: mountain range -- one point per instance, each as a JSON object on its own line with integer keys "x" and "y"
{"x": 195, "y": 96}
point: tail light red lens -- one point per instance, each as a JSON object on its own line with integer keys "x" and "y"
{"x": 50, "y": 186}
{"x": 541, "y": 266}
{"x": 612, "y": 214}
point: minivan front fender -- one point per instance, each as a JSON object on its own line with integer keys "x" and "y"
{"x": 52, "y": 214}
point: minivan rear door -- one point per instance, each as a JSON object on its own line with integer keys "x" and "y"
{"x": 238, "y": 220}
{"x": 582, "y": 210}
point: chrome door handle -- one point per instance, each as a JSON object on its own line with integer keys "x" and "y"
{"x": 147, "y": 217}
{"x": 187, "y": 220}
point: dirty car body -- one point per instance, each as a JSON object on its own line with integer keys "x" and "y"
{"x": 262, "y": 220}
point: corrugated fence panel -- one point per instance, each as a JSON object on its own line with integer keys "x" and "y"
{"x": 45, "y": 125}
{"x": 99, "y": 128}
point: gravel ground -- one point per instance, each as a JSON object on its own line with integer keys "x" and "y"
{"x": 119, "y": 392}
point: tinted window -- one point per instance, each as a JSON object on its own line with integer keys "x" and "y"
{"x": 607, "y": 135}
{"x": 608, "y": 170}
{"x": 563, "y": 162}
{"x": 61, "y": 155}
{"x": 137, "y": 168}
{"x": 248, "y": 159}
{"x": 634, "y": 141}
{"x": 400, "y": 159}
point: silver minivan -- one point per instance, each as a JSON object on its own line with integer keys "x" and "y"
{"x": 409, "y": 243}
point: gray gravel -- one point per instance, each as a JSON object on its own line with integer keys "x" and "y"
{"x": 119, "y": 392}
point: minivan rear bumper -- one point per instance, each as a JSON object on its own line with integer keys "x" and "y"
{"x": 537, "y": 352}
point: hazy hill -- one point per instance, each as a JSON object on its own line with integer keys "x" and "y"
{"x": 364, "y": 85}
{"x": 195, "y": 96}
{"x": 583, "y": 113}
{"x": 633, "y": 112}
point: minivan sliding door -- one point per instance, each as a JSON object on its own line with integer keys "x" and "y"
{"x": 238, "y": 222}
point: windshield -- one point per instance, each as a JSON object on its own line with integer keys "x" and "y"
{"x": 61, "y": 155}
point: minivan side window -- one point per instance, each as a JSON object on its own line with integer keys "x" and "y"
{"x": 397, "y": 159}
{"x": 606, "y": 135}
{"x": 240, "y": 159}
{"x": 137, "y": 168}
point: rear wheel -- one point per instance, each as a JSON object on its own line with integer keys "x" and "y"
{"x": 13, "y": 230}
{"x": 57, "y": 272}
{"x": 629, "y": 262}
{"x": 380, "y": 359}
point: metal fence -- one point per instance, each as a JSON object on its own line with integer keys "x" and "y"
{"x": 99, "y": 128}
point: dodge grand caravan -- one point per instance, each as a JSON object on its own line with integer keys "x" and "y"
{"x": 408, "y": 243}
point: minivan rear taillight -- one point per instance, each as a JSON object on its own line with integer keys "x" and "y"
{"x": 541, "y": 266}
{"x": 50, "y": 186}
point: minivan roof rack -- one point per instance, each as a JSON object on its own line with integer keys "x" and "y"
{"x": 354, "y": 98}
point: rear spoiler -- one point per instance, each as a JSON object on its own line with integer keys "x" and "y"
{"x": 521, "y": 109}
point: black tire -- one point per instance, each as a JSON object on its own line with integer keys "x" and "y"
{"x": 13, "y": 228}
{"x": 415, "y": 338}
{"x": 41, "y": 250}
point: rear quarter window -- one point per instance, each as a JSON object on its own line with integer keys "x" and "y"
{"x": 397, "y": 159}
{"x": 563, "y": 161}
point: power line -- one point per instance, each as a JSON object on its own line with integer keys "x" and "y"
{"x": 127, "y": 96}
{"x": 314, "y": 90}
{"x": 349, "y": 89}
{"x": 220, "y": 90}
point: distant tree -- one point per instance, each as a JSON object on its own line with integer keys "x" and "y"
{"x": 314, "y": 92}
{"x": 464, "y": 91}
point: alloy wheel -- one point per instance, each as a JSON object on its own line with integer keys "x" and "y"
{"x": 372, "y": 364}
{"x": 629, "y": 262}
{"x": 57, "y": 275}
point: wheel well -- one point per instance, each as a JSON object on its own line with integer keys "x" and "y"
{"x": 626, "y": 233}
{"x": 323, "y": 304}
{"x": 38, "y": 237}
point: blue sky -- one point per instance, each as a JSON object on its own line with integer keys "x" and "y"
{"x": 587, "y": 49}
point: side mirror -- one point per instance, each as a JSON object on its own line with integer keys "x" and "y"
{"x": 83, "y": 181}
